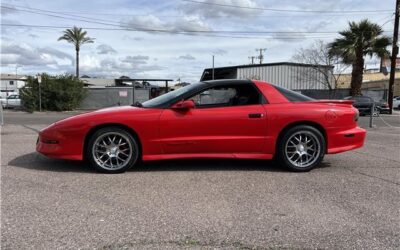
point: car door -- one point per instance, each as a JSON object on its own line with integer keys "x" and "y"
{"x": 10, "y": 101}
{"x": 221, "y": 123}
{"x": 17, "y": 101}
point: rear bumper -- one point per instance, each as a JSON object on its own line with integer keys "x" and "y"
{"x": 384, "y": 110}
{"x": 345, "y": 140}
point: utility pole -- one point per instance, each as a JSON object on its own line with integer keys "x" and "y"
{"x": 213, "y": 67}
{"x": 16, "y": 81}
{"x": 39, "y": 78}
{"x": 252, "y": 59}
{"x": 261, "y": 56}
{"x": 395, "y": 50}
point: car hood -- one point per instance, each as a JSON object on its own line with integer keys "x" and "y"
{"x": 105, "y": 115}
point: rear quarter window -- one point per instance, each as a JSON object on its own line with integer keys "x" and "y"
{"x": 293, "y": 96}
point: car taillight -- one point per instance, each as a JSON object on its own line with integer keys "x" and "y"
{"x": 356, "y": 116}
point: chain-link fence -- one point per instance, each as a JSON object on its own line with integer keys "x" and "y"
{"x": 113, "y": 96}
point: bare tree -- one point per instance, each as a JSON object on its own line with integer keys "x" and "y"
{"x": 326, "y": 69}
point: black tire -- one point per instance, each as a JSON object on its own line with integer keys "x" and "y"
{"x": 301, "y": 150}
{"x": 112, "y": 151}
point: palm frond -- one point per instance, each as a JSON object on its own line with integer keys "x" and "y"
{"x": 76, "y": 36}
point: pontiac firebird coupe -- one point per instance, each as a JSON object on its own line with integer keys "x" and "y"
{"x": 214, "y": 119}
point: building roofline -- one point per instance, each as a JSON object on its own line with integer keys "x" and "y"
{"x": 144, "y": 79}
{"x": 271, "y": 64}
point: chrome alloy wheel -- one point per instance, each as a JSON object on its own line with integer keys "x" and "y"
{"x": 112, "y": 150}
{"x": 302, "y": 149}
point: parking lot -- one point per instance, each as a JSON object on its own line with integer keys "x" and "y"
{"x": 351, "y": 202}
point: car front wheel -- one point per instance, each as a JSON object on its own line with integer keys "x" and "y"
{"x": 301, "y": 148}
{"x": 112, "y": 150}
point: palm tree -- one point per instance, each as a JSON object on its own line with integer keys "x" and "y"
{"x": 77, "y": 37}
{"x": 359, "y": 40}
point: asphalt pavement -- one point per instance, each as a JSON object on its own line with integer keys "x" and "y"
{"x": 351, "y": 202}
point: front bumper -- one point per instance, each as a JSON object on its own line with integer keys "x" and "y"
{"x": 53, "y": 144}
{"x": 345, "y": 140}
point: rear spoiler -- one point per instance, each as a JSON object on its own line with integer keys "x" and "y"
{"x": 334, "y": 101}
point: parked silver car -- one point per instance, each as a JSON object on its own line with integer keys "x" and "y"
{"x": 12, "y": 101}
{"x": 396, "y": 102}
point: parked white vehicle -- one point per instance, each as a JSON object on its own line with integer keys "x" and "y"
{"x": 396, "y": 102}
{"x": 12, "y": 101}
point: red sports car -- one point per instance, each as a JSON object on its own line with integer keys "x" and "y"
{"x": 215, "y": 119}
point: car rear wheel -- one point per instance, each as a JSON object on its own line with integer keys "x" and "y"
{"x": 112, "y": 150}
{"x": 301, "y": 148}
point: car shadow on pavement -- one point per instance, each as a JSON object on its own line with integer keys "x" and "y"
{"x": 210, "y": 165}
{"x": 215, "y": 165}
{"x": 36, "y": 161}
{"x": 39, "y": 162}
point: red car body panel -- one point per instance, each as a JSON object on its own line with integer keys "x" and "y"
{"x": 224, "y": 132}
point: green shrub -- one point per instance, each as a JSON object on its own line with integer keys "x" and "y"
{"x": 58, "y": 93}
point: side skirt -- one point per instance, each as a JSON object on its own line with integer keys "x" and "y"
{"x": 207, "y": 156}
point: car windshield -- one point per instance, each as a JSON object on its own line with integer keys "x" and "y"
{"x": 169, "y": 96}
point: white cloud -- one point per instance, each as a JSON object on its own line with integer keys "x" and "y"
{"x": 103, "y": 49}
{"x": 220, "y": 52}
{"x": 153, "y": 24}
{"x": 24, "y": 54}
{"x": 190, "y": 23}
{"x": 94, "y": 66}
{"x": 148, "y": 22}
{"x": 187, "y": 57}
{"x": 134, "y": 60}
{"x": 210, "y": 10}
{"x": 8, "y": 10}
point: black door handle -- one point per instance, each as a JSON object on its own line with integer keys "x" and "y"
{"x": 256, "y": 115}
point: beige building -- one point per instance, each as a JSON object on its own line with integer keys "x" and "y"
{"x": 10, "y": 84}
{"x": 372, "y": 81}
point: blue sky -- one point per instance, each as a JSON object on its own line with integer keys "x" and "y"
{"x": 172, "y": 54}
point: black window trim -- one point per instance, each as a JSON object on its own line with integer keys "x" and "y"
{"x": 262, "y": 99}
{"x": 205, "y": 85}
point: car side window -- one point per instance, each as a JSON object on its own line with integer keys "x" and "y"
{"x": 225, "y": 96}
{"x": 214, "y": 97}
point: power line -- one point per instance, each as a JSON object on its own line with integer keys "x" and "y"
{"x": 126, "y": 25}
{"x": 167, "y": 16}
{"x": 62, "y": 17}
{"x": 284, "y": 37}
{"x": 300, "y": 34}
{"x": 287, "y": 10}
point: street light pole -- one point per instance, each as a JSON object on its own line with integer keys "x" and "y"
{"x": 395, "y": 50}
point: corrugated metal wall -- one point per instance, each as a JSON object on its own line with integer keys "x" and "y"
{"x": 288, "y": 76}
{"x": 114, "y": 96}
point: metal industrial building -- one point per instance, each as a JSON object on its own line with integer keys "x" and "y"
{"x": 295, "y": 76}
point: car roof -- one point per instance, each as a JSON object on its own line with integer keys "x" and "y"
{"x": 228, "y": 81}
